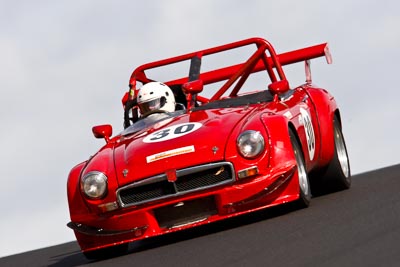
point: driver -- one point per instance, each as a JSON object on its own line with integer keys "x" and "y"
{"x": 155, "y": 97}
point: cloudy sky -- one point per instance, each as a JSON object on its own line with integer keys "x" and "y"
{"x": 64, "y": 66}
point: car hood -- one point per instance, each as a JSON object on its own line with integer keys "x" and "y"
{"x": 173, "y": 143}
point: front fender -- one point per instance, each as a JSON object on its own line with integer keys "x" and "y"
{"x": 281, "y": 151}
{"x": 232, "y": 154}
{"x": 76, "y": 203}
{"x": 325, "y": 107}
{"x": 278, "y": 153}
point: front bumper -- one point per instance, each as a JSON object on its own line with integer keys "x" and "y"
{"x": 189, "y": 210}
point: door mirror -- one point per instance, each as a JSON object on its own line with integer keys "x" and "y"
{"x": 193, "y": 87}
{"x": 102, "y": 131}
{"x": 279, "y": 87}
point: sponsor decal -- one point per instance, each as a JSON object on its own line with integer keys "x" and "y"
{"x": 172, "y": 132}
{"x": 305, "y": 119}
{"x": 170, "y": 153}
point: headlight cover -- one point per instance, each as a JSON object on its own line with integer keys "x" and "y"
{"x": 250, "y": 144}
{"x": 94, "y": 185}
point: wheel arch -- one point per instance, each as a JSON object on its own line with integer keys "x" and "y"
{"x": 302, "y": 173}
{"x": 292, "y": 128}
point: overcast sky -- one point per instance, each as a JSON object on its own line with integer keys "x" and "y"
{"x": 65, "y": 65}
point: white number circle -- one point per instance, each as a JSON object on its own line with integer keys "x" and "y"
{"x": 172, "y": 132}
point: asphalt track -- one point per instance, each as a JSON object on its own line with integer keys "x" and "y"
{"x": 356, "y": 227}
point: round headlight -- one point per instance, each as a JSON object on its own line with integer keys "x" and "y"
{"x": 94, "y": 185}
{"x": 250, "y": 144}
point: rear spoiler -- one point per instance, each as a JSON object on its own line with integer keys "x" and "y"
{"x": 305, "y": 54}
{"x": 264, "y": 58}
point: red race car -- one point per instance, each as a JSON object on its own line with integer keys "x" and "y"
{"x": 225, "y": 140}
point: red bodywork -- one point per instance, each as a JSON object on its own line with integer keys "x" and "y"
{"x": 159, "y": 176}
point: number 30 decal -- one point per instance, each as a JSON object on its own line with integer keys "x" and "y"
{"x": 172, "y": 132}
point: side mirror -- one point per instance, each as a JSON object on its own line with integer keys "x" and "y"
{"x": 102, "y": 131}
{"x": 279, "y": 87}
{"x": 191, "y": 89}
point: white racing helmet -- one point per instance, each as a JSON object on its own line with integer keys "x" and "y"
{"x": 155, "y": 96}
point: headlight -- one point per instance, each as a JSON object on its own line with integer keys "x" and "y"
{"x": 94, "y": 185}
{"x": 250, "y": 144}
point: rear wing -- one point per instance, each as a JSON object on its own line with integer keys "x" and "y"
{"x": 263, "y": 59}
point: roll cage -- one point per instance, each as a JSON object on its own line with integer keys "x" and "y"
{"x": 263, "y": 59}
{"x": 186, "y": 89}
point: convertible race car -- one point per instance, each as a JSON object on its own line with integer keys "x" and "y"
{"x": 238, "y": 139}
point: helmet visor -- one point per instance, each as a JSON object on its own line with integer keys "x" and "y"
{"x": 150, "y": 105}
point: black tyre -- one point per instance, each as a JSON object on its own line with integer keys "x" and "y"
{"x": 106, "y": 253}
{"x": 336, "y": 176}
{"x": 305, "y": 190}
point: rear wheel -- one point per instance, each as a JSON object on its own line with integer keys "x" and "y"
{"x": 305, "y": 191}
{"x": 109, "y": 252}
{"x": 337, "y": 175}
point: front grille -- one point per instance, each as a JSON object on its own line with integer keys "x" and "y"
{"x": 188, "y": 180}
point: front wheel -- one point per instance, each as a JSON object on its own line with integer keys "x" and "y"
{"x": 304, "y": 184}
